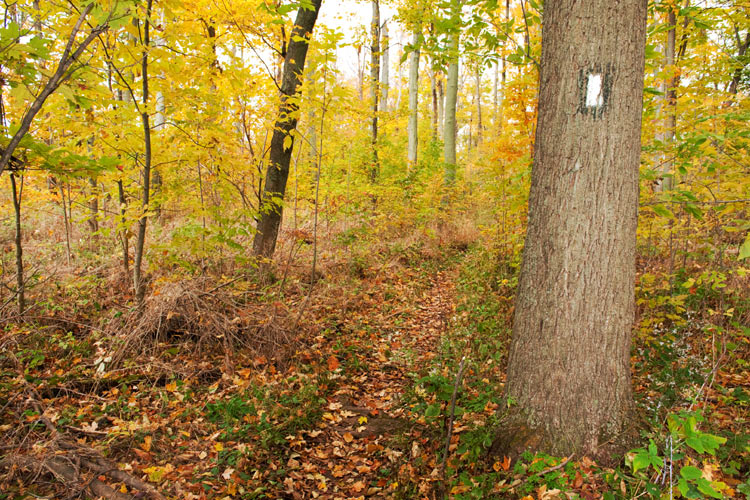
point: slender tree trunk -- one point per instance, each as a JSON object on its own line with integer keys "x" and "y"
{"x": 496, "y": 97}
{"x": 124, "y": 230}
{"x": 66, "y": 221}
{"x": 140, "y": 242}
{"x": 434, "y": 95}
{"x": 280, "y": 153}
{"x": 361, "y": 73}
{"x": 374, "y": 91}
{"x": 569, "y": 363}
{"x": 399, "y": 80}
{"x": 480, "y": 127}
{"x": 385, "y": 68}
{"x": 414, "y": 99}
{"x": 441, "y": 105}
{"x": 742, "y": 46}
{"x": 93, "y": 206}
{"x": 668, "y": 107}
{"x": 20, "y": 281}
{"x": 451, "y": 100}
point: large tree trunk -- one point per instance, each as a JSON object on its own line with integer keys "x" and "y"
{"x": 451, "y": 100}
{"x": 569, "y": 364}
{"x": 668, "y": 107}
{"x": 280, "y": 155}
{"x": 414, "y": 99}
{"x": 374, "y": 84}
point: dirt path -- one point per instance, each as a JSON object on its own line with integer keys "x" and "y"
{"x": 352, "y": 453}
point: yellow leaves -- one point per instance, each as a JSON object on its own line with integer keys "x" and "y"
{"x": 146, "y": 446}
{"x": 218, "y": 447}
{"x": 157, "y": 474}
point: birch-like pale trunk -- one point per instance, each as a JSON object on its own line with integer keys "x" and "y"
{"x": 451, "y": 101}
{"x": 385, "y": 68}
{"x": 413, "y": 127}
{"x": 668, "y": 106}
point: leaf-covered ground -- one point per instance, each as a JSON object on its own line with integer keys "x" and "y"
{"x": 355, "y": 404}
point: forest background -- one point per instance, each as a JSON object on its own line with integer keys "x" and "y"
{"x": 149, "y": 345}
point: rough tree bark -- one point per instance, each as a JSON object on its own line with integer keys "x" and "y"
{"x": 414, "y": 99}
{"x": 280, "y": 154}
{"x": 568, "y": 375}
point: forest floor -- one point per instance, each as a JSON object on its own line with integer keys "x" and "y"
{"x": 232, "y": 389}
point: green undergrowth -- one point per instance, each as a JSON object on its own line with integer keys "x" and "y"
{"x": 690, "y": 380}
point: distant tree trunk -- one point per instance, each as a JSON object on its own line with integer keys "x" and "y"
{"x": 280, "y": 154}
{"x": 140, "y": 242}
{"x": 374, "y": 84}
{"x": 124, "y": 230}
{"x": 434, "y": 95}
{"x": 66, "y": 221}
{"x": 361, "y": 61}
{"x": 93, "y": 220}
{"x": 496, "y": 97}
{"x": 414, "y": 99}
{"x": 479, "y": 104}
{"x": 441, "y": 104}
{"x": 668, "y": 105}
{"x": 742, "y": 46}
{"x": 451, "y": 100}
{"x": 20, "y": 281}
{"x": 385, "y": 68}
{"x": 569, "y": 364}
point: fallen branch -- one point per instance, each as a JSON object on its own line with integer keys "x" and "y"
{"x": 63, "y": 471}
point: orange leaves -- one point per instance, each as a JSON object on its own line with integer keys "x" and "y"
{"x": 333, "y": 363}
{"x": 504, "y": 465}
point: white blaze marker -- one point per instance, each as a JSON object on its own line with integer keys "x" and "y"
{"x": 594, "y": 97}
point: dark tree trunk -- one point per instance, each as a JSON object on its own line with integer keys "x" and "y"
{"x": 140, "y": 241}
{"x": 124, "y": 230}
{"x": 93, "y": 220}
{"x": 374, "y": 89}
{"x": 280, "y": 154}
{"x": 569, "y": 365}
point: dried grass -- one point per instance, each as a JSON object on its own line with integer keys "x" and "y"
{"x": 206, "y": 314}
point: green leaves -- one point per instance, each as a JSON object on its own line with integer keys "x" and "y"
{"x": 745, "y": 249}
{"x": 690, "y": 472}
{"x": 645, "y": 458}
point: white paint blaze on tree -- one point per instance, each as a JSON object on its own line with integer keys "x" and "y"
{"x": 569, "y": 362}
